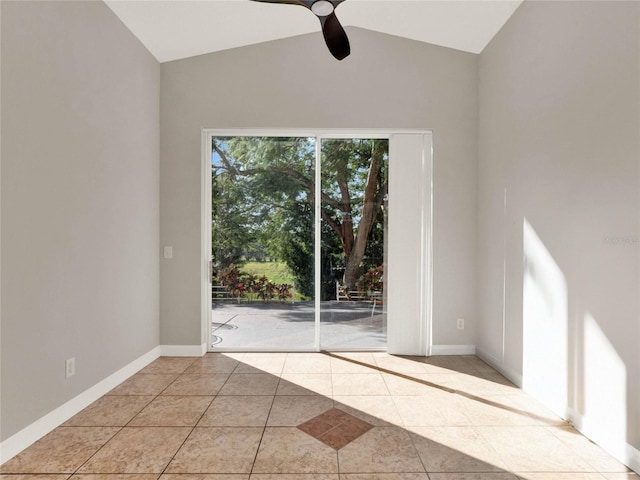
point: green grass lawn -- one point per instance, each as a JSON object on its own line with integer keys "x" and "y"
{"x": 274, "y": 271}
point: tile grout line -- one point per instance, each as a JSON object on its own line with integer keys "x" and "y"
{"x": 333, "y": 404}
{"x": 164, "y": 470}
{"x": 121, "y": 428}
{"x": 266, "y": 421}
{"x": 427, "y": 383}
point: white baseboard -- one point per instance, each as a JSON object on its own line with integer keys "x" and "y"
{"x": 499, "y": 365}
{"x": 633, "y": 454}
{"x": 623, "y": 452}
{"x": 453, "y": 349}
{"x": 38, "y": 429}
{"x": 183, "y": 350}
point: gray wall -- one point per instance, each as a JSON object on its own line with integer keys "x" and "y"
{"x": 387, "y": 82}
{"x": 80, "y": 205}
{"x": 559, "y": 125}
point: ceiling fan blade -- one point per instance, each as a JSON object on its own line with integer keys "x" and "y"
{"x": 335, "y": 36}
{"x": 288, "y": 2}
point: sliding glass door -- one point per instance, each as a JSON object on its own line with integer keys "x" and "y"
{"x": 300, "y": 241}
{"x": 262, "y": 237}
{"x": 354, "y": 211}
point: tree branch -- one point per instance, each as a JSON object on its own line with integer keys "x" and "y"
{"x": 379, "y": 198}
{"x": 223, "y": 156}
{"x": 309, "y": 184}
{"x": 335, "y": 225}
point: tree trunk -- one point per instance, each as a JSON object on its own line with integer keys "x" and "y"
{"x": 371, "y": 203}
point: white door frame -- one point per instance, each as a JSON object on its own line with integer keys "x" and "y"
{"x": 410, "y": 180}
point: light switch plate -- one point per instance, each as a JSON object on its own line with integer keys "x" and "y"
{"x": 70, "y": 367}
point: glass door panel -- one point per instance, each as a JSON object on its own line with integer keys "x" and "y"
{"x": 262, "y": 228}
{"x": 354, "y": 183}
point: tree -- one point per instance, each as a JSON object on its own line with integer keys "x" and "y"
{"x": 289, "y": 237}
{"x": 348, "y": 167}
{"x": 278, "y": 177}
{"x": 230, "y": 233}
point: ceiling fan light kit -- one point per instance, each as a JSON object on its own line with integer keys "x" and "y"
{"x": 334, "y": 35}
{"x": 322, "y": 8}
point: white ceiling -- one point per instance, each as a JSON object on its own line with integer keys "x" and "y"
{"x": 174, "y": 29}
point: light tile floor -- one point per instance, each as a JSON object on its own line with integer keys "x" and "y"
{"x": 316, "y": 416}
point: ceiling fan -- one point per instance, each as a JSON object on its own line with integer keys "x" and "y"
{"x": 334, "y": 35}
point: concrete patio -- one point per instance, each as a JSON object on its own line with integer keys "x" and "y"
{"x": 291, "y": 326}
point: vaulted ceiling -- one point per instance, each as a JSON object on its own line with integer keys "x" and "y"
{"x": 174, "y": 29}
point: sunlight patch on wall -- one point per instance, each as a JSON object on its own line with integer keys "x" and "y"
{"x": 545, "y": 324}
{"x": 605, "y": 389}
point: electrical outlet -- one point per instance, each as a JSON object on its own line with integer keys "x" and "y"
{"x": 461, "y": 324}
{"x": 70, "y": 367}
